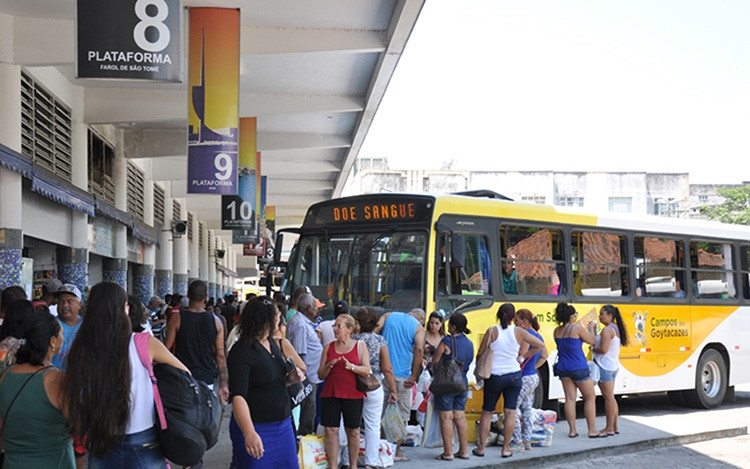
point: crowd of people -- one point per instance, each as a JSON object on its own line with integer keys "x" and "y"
{"x": 58, "y": 357}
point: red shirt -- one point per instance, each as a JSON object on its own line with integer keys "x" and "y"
{"x": 341, "y": 382}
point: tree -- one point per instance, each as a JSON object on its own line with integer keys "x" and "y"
{"x": 735, "y": 208}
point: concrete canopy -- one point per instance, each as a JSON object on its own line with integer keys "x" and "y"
{"x": 313, "y": 72}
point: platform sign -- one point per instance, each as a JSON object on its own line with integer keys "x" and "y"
{"x": 213, "y": 101}
{"x": 129, "y": 39}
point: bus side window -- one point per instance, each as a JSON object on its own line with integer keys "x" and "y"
{"x": 745, "y": 264}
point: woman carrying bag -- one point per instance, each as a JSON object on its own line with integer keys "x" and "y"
{"x": 452, "y": 407}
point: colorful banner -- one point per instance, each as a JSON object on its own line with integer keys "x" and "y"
{"x": 129, "y": 39}
{"x": 239, "y": 212}
{"x": 213, "y": 109}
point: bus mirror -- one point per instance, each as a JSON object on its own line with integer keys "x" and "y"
{"x": 458, "y": 251}
{"x": 278, "y": 247}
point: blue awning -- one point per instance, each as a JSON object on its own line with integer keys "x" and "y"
{"x": 145, "y": 233}
{"x": 63, "y": 193}
{"x": 16, "y": 162}
{"x": 124, "y": 218}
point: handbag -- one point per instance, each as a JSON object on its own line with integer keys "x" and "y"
{"x": 297, "y": 388}
{"x": 483, "y": 367}
{"x": 189, "y": 411}
{"x": 448, "y": 374}
{"x": 367, "y": 383}
{"x": 594, "y": 370}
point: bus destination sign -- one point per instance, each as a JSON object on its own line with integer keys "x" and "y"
{"x": 370, "y": 210}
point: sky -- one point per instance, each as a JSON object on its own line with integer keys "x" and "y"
{"x": 577, "y": 85}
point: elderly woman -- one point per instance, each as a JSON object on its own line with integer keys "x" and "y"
{"x": 340, "y": 362}
{"x": 573, "y": 369}
{"x": 34, "y": 428}
{"x": 261, "y": 427}
{"x": 380, "y": 364}
{"x": 452, "y": 407}
{"x": 505, "y": 341}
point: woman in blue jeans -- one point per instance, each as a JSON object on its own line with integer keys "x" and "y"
{"x": 452, "y": 407}
{"x": 505, "y": 342}
{"x": 109, "y": 392}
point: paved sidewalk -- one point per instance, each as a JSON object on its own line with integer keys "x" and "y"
{"x": 652, "y": 428}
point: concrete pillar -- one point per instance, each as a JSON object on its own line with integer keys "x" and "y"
{"x": 212, "y": 290}
{"x": 203, "y": 257}
{"x": 11, "y": 235}
{"x": 143, "y": 282}
{"x": 73, "y": 261}
{"x": 194, "y": 253}
{"x": 116, "y": 269}
{"x": 163, "y": 261}
{"x": 180, "y": 258}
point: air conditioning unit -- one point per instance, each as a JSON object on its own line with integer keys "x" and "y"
{"x": 179, "y": 228}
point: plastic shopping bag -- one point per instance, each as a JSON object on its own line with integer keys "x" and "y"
{"x": 312, "y": 451}
{"x": 432, "y": 436}
{"x": 392, "y": 423}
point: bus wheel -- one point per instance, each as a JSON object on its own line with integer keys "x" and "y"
{"x": 710, "y": 381}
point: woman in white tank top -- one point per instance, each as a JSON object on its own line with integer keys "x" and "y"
{"x": 606, "y": 354}
{"x": 505, "y": 342}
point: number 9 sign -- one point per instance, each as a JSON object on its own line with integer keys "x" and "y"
{"x": 223, "y": 165}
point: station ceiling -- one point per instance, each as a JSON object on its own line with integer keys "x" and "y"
{"x": 312, "y": 71}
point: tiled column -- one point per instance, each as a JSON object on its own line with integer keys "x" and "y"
{"x": 143, "y": 282}
{"x": 73, "y": 265}
{"x": 116, "y": 271}
{"x": 11, "y": 236}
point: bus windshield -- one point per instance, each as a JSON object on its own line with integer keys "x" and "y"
{"x": 385, "y": 269}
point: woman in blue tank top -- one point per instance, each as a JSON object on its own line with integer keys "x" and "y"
{"x": 573, "y": 369}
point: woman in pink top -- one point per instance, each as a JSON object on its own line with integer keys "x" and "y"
{"x": 342, "y": 360}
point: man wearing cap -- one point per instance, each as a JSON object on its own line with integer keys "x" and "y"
{"x": 301, "y": 333}
{"x": 155, "y": 305}
{"x": 49, "y": 287}
{"x": 68, "y": 306}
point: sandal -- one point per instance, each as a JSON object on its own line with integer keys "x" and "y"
{"x": 458, "y": 455}
{"x": 443, "y": 457}
{"x": 477, "y": 453}
{"x": 598, "y": 435}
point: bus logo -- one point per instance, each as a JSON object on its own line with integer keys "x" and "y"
{"x": 639, "y": 320}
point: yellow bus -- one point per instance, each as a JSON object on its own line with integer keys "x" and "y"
{"x": 681, "y": 285}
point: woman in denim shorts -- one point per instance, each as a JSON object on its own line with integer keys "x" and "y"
{"x": 573, "y": 370}
{"x": 606, "y": 354}
{"x": 505, "y": 342}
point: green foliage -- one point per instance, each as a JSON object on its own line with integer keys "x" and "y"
{"x": 735, "y": 209}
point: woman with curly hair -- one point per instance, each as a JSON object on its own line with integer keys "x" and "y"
{"x": 261, "y": 427}
{"x": 108, "y": 390}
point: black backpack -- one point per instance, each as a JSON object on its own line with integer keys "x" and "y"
{"x": 191, "y": 411}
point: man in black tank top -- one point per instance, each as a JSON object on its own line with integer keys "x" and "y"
{"x": 198, "y": 338}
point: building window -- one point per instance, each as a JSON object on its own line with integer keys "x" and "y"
{"x": 46, "y": 135}
{"x": 567, "y": 201}
{"x": 136, "y": 183}
{"x": 534, "y": 199}
{"x": 703, "y": 198}
{"x": 620, "y": 204}
{"x": 101, "y": 157}
{"x": 159, "y": 202}
{"x": 200, "y": 235}
{"x": 190, "y": 226}
{"x": 666, "y": 208}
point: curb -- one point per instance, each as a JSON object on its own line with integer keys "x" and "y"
{"x": 627, "y": 448}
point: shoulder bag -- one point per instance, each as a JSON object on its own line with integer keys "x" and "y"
{"x": 366, "y": 383}
{"x": 189, "y": 412}
{"x": 297, "y": 388}
{"x": 448, "y": 374}
{"x": 483, "y": 367}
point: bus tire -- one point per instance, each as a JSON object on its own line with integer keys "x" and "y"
{"x": 710, "y": 381}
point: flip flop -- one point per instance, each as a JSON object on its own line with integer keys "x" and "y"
{"x": 599, "y": 435}
{"x": 457, "y": 455}
{"x": 401, "y": 458}
{"x": 574, "y": 435}
{"x": 443, "y": 457}
{"x": 503, "y": 455}
{"x": 477, "y": 453}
